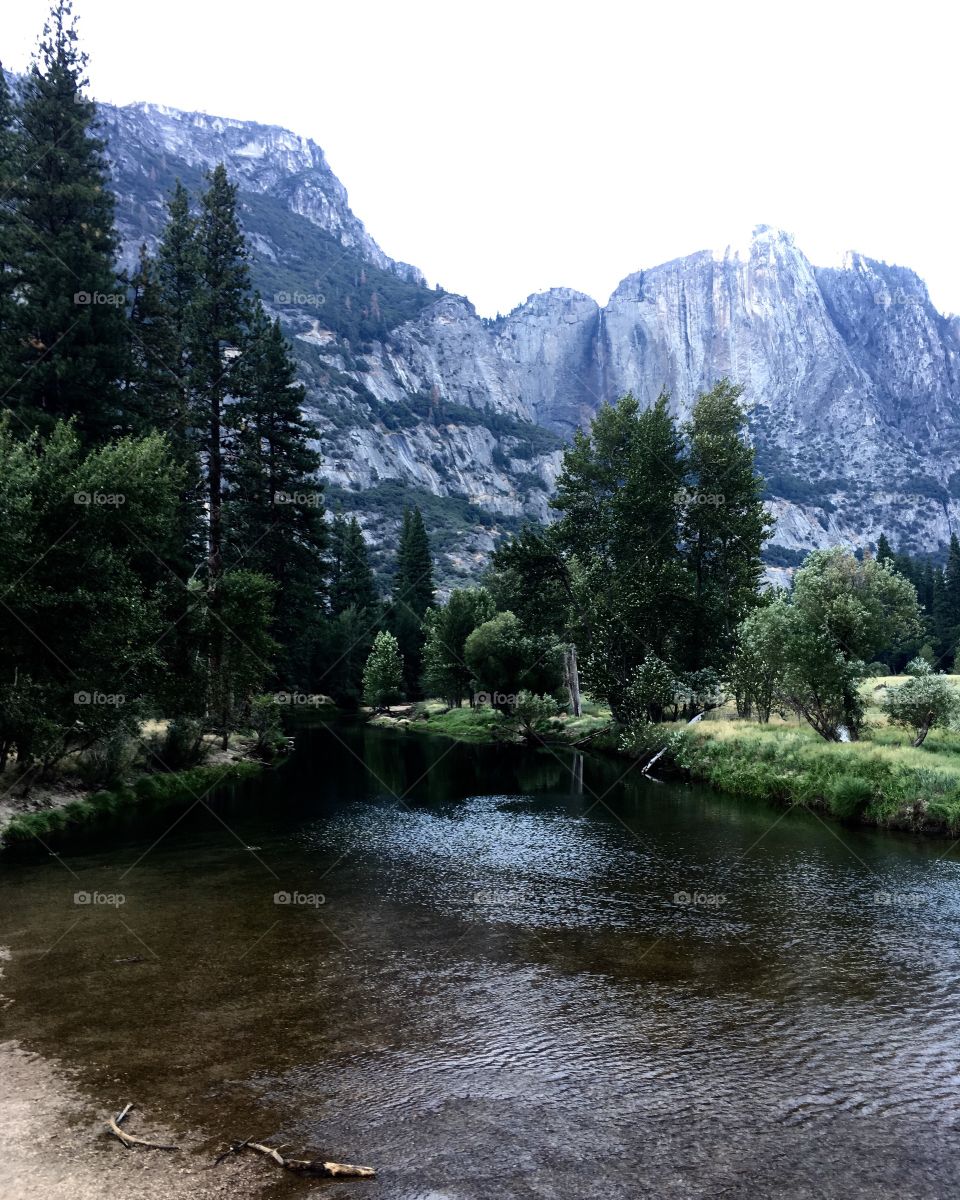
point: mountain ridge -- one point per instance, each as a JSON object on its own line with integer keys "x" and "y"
{"x": 851, "y": 376}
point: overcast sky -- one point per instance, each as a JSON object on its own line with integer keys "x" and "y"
{"x": 507, "y": 147}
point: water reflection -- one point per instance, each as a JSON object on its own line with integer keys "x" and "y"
{"x": 526, "y": 976}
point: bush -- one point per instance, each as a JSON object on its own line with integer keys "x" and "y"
{"x": 108, "y": 763}
{"x": 179, "y": 747}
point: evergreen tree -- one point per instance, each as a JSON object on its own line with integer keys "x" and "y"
{"x": 219, "y": 321}
{"x": 724, "y": 526}
{"x": 351, "y": 583}
{"x": 413, "y": 594}
{"x": 884, "y": 550}
{"x": 951, "y": 588}
{"x": 620, "y": 525}
{"x": 9, "y": 254}
{"x": 275, "y": 503}
{"x": 71, "y": 321}
{"x": 165, "y": 293}
{"x": 445, "y": 670}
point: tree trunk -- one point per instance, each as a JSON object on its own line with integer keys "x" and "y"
{"x": 571, "y": 677}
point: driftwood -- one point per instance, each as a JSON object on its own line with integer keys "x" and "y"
{"x": 660, "y": 753}
{"x": 128, "y": 1139}
{"x": 302, "y": 1166}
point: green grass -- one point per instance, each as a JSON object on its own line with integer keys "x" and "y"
{"x": 153, "y": 791}
{"x": 880, "y": 780}
{"x": 486, "y": 724}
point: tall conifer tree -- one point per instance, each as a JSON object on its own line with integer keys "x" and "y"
{"x": 72, "y": 331}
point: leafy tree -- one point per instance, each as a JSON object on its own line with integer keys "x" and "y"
{"x": 78, "y": 623}
{"x": 71, "y": 330}
{"x": 654, "y": 692}
{"x": 531, "y": 712}
{"x": 759, "y": 665}
{"x": 841, "y": 613}
{"x": 445, "y": 671}
{"x": 723, "y": 526}
{"x": 383, "y": 674}
{"x": 924, "y": 702}
{"x": 241, "y": 623}
{"x": 504, "y": 661}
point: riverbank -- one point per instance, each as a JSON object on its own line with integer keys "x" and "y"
{"x": 56, "y": 1146}
{"x": 56, "y": 809}
{"x": 880, "y": 781}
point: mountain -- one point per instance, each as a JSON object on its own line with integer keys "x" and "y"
{"x": 851, "y": 376}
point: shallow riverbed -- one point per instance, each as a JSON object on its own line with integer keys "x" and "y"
{"x": 504, "y": 973}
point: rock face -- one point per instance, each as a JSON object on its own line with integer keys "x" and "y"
{"x": 850, "y": 376}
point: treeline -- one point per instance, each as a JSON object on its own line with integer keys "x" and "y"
{"x": 164, "y": 549}
{"x": 938, "y": 593}
{"x": 640, "y": 583}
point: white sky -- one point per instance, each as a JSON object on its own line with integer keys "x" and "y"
{"x": 507, "y": 147}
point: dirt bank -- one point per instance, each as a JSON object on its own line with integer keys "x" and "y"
{"x": 55, "y": 1147}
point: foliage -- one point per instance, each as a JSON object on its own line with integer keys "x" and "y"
{"x": 505, "y": 661}
{"x": 531, "y": 712}
{"x": 445, "y": 670}
{"x": 924, "y": 702}
{"x": 383, "y": 673}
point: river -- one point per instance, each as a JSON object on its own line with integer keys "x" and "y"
{"x": 505, "y": 973}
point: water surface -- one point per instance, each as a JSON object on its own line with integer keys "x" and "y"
{"x": 511, "y": 974}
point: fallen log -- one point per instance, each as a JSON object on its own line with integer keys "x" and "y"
{"x": 303, "y": 1166}
{"x": 128, "y": 1139}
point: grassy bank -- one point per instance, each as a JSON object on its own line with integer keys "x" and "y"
{"x": 150, "y": 791}
{"x": 879, "y": 781}
{"x": 486, "y": 724}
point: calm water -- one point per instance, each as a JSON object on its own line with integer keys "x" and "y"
{"x": 526, "y": 978}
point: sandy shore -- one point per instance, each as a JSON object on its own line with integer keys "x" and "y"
{"x": 55, "y": 1147}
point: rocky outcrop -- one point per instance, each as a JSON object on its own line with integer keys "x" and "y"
{"x": 850, "y": 375}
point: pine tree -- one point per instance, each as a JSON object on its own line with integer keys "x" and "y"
{"x": 884, "y": 550}
{"x": 620, "y": 520}
{"x": 413, "y": 594}
{"x": 165, "y": 293}
{"x": 71, "y": 322}
{"x": 274, "y": 509}
{"x": 951, "y": 584}
{"x": 9, "y": 254}
{"x": 351, "y": 583}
